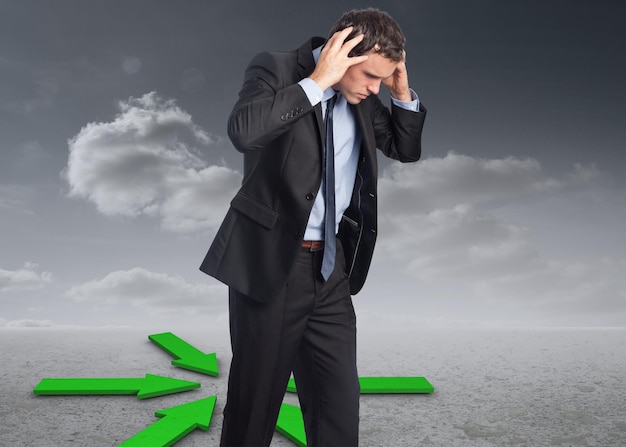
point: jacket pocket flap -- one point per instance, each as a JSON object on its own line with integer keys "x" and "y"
{"x": 254, "y": 210}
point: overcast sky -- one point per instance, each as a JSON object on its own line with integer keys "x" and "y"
{"x": 115, "y": 167}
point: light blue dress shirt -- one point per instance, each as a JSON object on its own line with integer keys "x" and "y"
{"x": 347, "y": 142}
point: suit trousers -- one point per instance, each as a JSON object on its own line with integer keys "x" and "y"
{"x": 310, "y": 330}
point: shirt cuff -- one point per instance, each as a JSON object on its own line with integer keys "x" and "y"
{"x": 312, "y": 90}
{"x": 411, "y": 105}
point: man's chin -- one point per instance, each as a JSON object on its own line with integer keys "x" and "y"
{"x": 354, "y": 99}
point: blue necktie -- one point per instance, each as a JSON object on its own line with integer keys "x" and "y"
{"x": 330, "y": 243}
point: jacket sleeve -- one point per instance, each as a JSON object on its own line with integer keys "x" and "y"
{"x": 399, "y": 132}
{"x": 270, "y": 101}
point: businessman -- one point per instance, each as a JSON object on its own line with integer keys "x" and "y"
{"x": 299, "y": 236}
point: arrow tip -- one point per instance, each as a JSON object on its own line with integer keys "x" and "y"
{"x": 203, "y": 364}
{"x": 198, "y": 413}
{"x": 154, "y": 386}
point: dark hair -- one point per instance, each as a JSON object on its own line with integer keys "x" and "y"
{"x": 381, "y": 32}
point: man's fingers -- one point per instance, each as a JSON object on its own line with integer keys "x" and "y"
{"x": 344, "y": 33}
{"x": 350, "y": 44}
{"x": 335, "y": 60}
{"x": 337, "y": 39}
{"x": 357, "y": 59}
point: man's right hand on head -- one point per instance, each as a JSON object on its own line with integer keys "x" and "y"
{"x": 334, "y": 59}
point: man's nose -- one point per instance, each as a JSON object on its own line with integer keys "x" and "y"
{"x": 374, "y": 87}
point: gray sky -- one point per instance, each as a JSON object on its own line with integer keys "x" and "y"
{"x": 115, "y": 166}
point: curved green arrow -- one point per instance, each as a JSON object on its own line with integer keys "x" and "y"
{"x": 387, "y": 385}
{"x": 150, "y": 386}
{"x": 175, "y": 424}
{"x": 187, "y": 356}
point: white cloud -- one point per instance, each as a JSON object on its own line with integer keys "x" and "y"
{"x": 584, "y": 174}
{"x": 15, "y": 196}
{"x": 43, "y": 83}
{"x": 583, "y": 288}
{"x": 26, "y": 278}
{"x": 49, "y": 324}
{"x": 26, "y": 323}
{"x": 152, "y": 293}
{"x": 146, "y": 162}
{"x": 458, "y": 179}
{"x": 465, "y": 231}
{"x": 460, "y": 241}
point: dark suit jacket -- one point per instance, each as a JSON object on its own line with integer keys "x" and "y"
{"x": 281, "y": 136}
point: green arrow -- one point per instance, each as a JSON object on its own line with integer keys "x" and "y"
{"x": 175, "y": 424}
{"x": 291, "y": 424}
{"x": 387, "y": 385}
{"x": 187, "y": 356}
{"x": 392, "y": 385}
{"x": 290, "y": 421}
{"x": 150, "y": 386}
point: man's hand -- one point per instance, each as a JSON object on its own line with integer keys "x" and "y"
{"x": 398, "y": 82}
{"x": 334, "y": 60}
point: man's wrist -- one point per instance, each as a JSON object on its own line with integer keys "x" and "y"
{"x": 412, "y": 104}
{"x": 312, "y": 90}
{"x": 404, "y": 96}
{"x": 320, "y": 82}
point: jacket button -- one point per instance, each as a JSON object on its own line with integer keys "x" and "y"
{"x": 299, "y": 235}
{"x": 309, "y": 196}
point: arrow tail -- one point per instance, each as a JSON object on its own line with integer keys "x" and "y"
{"x": 174, "y": 345}
{"x": 87, "y": 386}
{"x": 150, "y": 386}
{"x": 386, "y": 385}
{"x": 395, "y": 385}
{"x": 186, "y": 356}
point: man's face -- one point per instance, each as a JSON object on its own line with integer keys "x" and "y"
{"x": 362, "y": 80}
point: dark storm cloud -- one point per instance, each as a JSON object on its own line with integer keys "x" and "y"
{"x": 519, "y": 198}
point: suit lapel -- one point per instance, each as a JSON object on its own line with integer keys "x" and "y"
{"x": 367, "y": 130}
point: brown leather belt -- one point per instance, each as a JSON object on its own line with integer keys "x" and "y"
{"x": 313, "y": 245}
